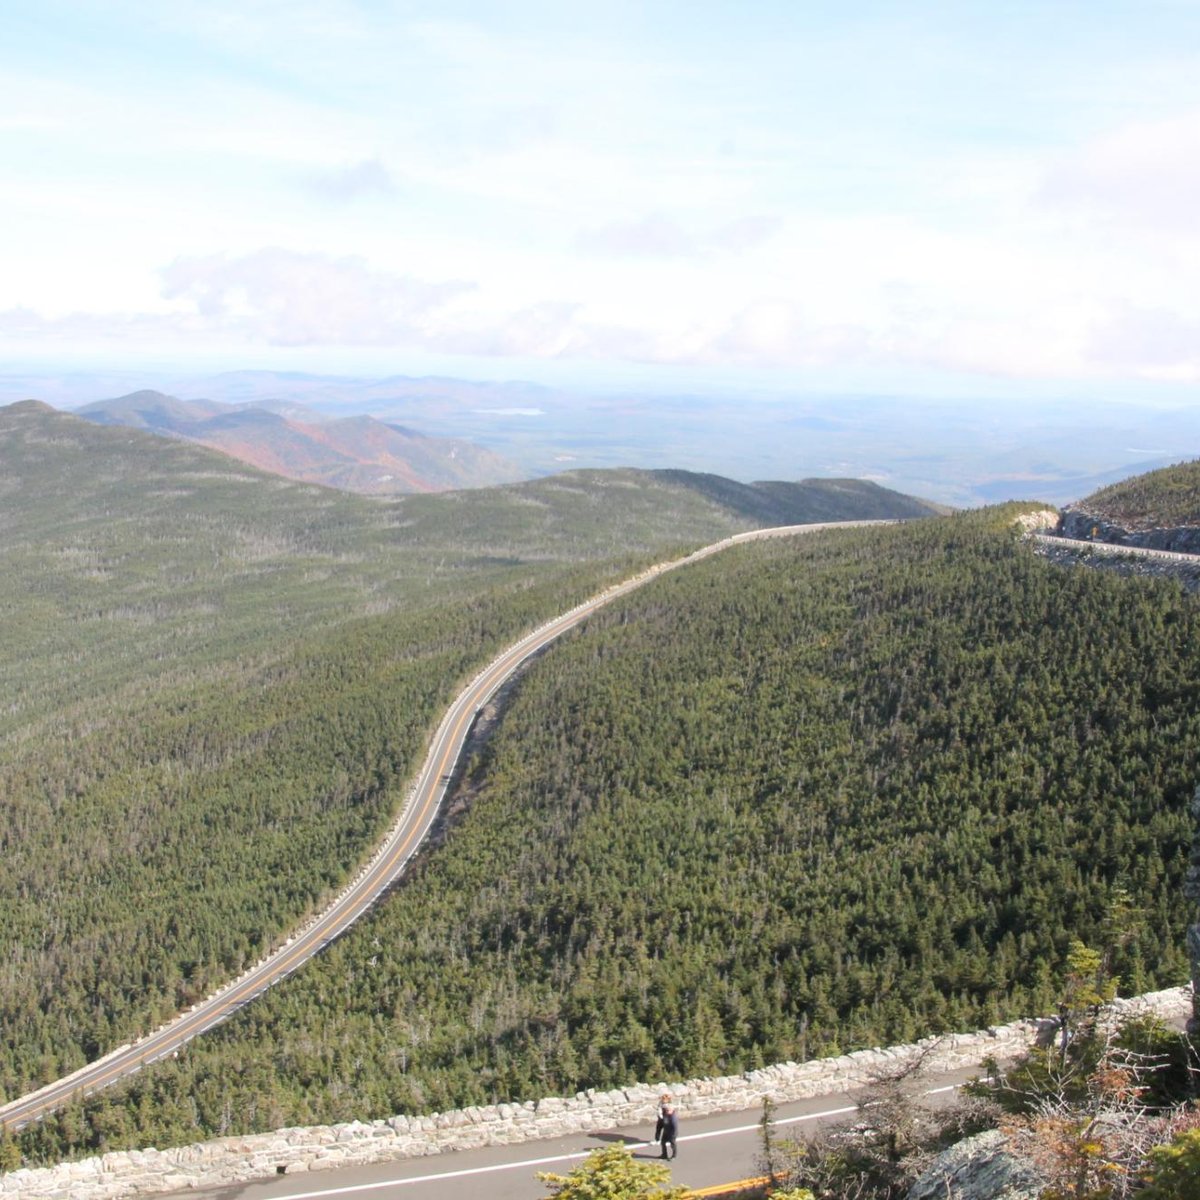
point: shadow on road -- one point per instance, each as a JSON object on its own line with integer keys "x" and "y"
{"x": 638, "y": 1147}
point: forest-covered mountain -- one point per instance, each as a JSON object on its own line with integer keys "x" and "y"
{"x": 1167, "y": 497}
{"x": 1158, "y": 510}
{"x": 827, "y": 792}
{"x": 358, "y": 454}
{"x": 216, "y": 683}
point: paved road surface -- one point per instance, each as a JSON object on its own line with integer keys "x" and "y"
{"x": 716, "y": 1149}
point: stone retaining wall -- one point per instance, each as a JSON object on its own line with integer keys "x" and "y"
{"x": 241, "y": 1159}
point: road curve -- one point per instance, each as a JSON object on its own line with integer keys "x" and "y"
{"x": 417, "y": 816}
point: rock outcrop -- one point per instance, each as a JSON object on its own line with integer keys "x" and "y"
{"x": 1040, "y": 520}
{"x": 981, "y": 1168}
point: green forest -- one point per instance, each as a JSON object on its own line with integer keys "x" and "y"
{"x": 1167, "y": 497}
{"x": 217, "y": 683}
{"x": 805, "y": 796}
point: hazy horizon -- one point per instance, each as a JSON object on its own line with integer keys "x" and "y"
{"x": 1056, "y": 450}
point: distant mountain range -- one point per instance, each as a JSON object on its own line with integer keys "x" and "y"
{"x": 965, "y": 451}
{"x": 356, "y": 454}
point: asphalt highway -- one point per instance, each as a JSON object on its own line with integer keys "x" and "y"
{"x": 388, "y": 863}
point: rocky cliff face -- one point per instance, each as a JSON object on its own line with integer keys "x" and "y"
{"x": 1077, "y": 522}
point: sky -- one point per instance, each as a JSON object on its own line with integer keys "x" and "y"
{"x": 915, "y": 197}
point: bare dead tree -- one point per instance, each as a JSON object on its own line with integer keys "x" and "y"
{"x": 896, "y": 1131}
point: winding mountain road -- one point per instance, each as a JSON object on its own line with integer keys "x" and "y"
{"x": 416, "y": 818}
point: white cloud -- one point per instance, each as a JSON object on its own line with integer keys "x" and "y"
{"x": 300, "y": 35}
{"x": 343, "y": 184}
{"x": 281, "y": 298}
{"x": 1144, "y": 175}
{"x": 1154, "y": 343}
{"x": 655, "y": 236}
{"x": 24, "y": 328}
{"x": 745, "y": 233}
{"x": 660, "y": 236}
{"x": 291, "y": 299}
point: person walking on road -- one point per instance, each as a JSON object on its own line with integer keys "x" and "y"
{"x": 664, "y": 1102}
{"x": 668, "y": 1124}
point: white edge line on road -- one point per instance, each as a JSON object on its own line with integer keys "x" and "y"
{"x": 558, "y": 1158}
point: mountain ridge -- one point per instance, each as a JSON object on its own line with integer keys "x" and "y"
{"x": 357, "y": 453}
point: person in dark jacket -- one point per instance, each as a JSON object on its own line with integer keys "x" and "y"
{"x": 664, "y": 1102}
{"x": 670, "y": 1129}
